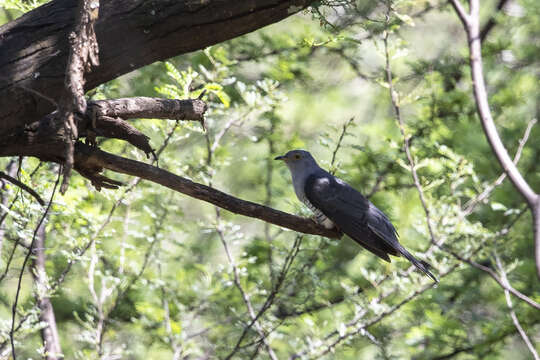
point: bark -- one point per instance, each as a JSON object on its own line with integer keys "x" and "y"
{"x": 34, "y": 49}
{"x": 45, "y": 138}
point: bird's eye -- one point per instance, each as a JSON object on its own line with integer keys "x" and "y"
{"x": 297, "y": 156}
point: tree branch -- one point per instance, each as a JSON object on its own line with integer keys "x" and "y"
{"x": 394, "y": 96}
{"x": 25, "y": 261}
{"x": 490, "y": 272}
{"x": 45, "y": 139}
{"x": 460, "y": 10}
{"x": 245, "y": 296}
{"x": 90, "y": 158}
{"x": 23, "y": 186}
{"x": 490, "y": 24}
{"x": 150, "y": 108}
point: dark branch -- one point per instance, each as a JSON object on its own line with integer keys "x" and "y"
{"x": 91, "y": 158}
{"x": 116, "y": 128}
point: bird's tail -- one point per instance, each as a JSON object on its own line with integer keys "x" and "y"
{"x": 420, "y": 264}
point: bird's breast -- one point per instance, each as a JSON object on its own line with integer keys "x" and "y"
{"x": 320, "y": 218}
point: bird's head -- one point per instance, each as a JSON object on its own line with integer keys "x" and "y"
{"x": 298, "y": 160}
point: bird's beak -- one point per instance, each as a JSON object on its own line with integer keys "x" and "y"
{"x": 282, "y": 157}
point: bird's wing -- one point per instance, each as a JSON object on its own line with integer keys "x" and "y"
{"x": 352, "y": 213}
{"x": 358, "y": 217}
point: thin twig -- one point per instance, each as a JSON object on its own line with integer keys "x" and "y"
{"x": 270, "y": 299}
{"x": 23, "y": 186}
{"x": 134, "y": 183}
{"x": 394, "y": 96}
{"x": 339, "y": 142}
{"x": 243, "y": 293}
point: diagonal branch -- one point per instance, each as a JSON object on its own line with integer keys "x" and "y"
{"x": 460, "y": 10}
{"x": 245, "y": 295}
{"x": 490, "y": 24}
{"x": 23, "y": 186}
{"x": 21, "y": 273}
{"x": 91, "y": 158}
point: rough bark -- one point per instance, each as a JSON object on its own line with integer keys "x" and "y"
{"x": 45, "y": 138}
{"x": 34, "y": 49}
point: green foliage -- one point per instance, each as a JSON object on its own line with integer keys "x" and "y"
{"x": 155, "y": 274}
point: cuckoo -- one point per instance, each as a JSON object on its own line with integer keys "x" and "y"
{"x": 336, "y": 204}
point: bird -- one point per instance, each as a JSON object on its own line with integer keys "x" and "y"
{"x": 337, "y": 204}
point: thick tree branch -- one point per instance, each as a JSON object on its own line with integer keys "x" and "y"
{"x": 130, "y": 33}
{"x": 91, "y": 158}
{"x": 471, "y": 24}
{"x": 150, "y": 108}
{"x": 45, "y": 139}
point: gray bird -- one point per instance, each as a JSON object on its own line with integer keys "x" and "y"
{"x": 336, "y": 203}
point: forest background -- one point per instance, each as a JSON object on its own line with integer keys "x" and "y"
{"x": 145, "y": 272}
